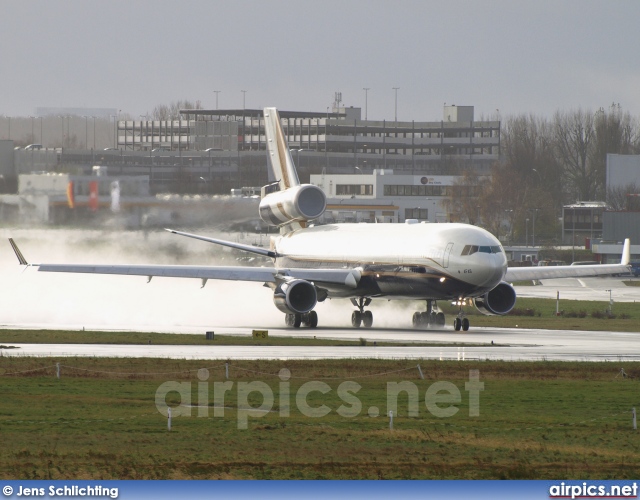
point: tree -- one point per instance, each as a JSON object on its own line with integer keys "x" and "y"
{"x": 172, "y": 111}
{"x": 616, "y": 134}
{"x": 575, "y": 137}
{"x": 529, "y": 149}
{"x": 462, "y": 203}
{"x": 617, "y": 197}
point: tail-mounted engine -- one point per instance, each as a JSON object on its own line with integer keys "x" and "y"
{"x": 498, "y": 301}
{"x": 297, "y": 204}
{"x": 295, "y": 296}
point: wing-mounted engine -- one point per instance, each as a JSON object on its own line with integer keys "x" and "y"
{"x": 498, "y": 301}
{"x": 297, "y": 204}
{"x": 295, "y": 296}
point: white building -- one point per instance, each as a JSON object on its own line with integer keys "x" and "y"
{"x": 383, "y": 196}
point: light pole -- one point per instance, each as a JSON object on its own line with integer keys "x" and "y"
{"x": 509, "y": 213}
{"x": 366, "y": 102}
{"x": 206, "y": 183}
{"x": 217, "y": 92}
{"x": 326, "y": 142}
{"x": 573, "y": 235}
{"x": 610, "y": 302}
{"x": 535, "y": 211}
{"x": 244, "y": 95}
{"x": 396, "y": 113}
{"x": 526, "y": 237}
{"x": 115, "y": 131}
{"x": 86, "y": 132}
{"x": 297, "y": 156}
{"x": 561, "y": 221}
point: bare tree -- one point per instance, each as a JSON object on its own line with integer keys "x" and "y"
{"x": 617, "y": 197}
{"x": 528, "y": 146}
{"x": 575, "y": 138}
{"x": 615, "y": 133}
{"x": 462, "y": 203}
{"x": 172, "y": 111}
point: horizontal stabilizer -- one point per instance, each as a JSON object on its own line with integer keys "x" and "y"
{"x": 230, "y": 244}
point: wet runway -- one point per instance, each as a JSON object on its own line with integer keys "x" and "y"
{"x": 30, "y": 299}
{"x": 509, "y": 344}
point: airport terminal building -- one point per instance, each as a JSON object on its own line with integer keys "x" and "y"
{"x": 215, "y": 150}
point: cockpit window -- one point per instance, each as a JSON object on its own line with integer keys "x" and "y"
{"x": 471, "y": 249}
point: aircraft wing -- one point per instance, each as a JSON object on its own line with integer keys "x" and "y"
{"x": 550, "y": 272}
{"x": 340, "y": 277}
{"x": 346, "y": 277}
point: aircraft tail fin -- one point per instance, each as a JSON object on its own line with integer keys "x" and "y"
{"x": 280, "y": 158}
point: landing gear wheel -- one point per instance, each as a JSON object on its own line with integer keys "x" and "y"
{"x": 457, "y": 324}
{"x": 297, "y": 320}
{"x": 356, "y": 319}
{"x": 416, "y": 320}
{"x": 288, "y": 319}
{"x": 367, "y": 319}
{"x": 465, "y": 324}
{"x": 312, "y": 319}
{"x": 431, "y": 318}
{"x": 440, "y": 320}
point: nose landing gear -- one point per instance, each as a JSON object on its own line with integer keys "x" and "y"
{"x": 461, "y": 322}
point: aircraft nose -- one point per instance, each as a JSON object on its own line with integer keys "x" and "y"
{"x": 491, "y": 273}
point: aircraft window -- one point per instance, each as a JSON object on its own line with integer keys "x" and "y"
{"x": 471, "y": 249}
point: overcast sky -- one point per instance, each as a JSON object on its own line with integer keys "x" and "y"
{"x": 514, "y": 56}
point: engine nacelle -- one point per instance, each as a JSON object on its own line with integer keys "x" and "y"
{"x": 498, "y": 301}
{"x": 295, "y": 296}
{"x": 298, "y": 203}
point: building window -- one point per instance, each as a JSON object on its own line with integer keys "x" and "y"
{"x": 416, "y": 213}
{"x": 353, "y": 189}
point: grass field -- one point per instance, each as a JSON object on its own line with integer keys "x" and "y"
{"x": 10, "y": 337}
{"x": 99, "y": 420}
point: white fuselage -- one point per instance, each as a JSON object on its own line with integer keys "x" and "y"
{"x": 402, "y": 260}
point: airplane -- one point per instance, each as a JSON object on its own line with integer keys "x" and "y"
{"x": 413, "y": 261}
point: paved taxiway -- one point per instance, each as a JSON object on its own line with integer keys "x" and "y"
{"x": 510, "y": 344}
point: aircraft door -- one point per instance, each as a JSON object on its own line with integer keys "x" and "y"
{"x": 445, "y": 257}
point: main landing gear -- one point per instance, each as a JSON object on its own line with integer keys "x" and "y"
{"x": 432, "y": 317}
{"x": 309, "y": 319}
{"x": 361, "y": 316}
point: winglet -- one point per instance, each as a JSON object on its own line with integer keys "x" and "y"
{"x": 21, "y": 259}
{"x": 626, "y": 252}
